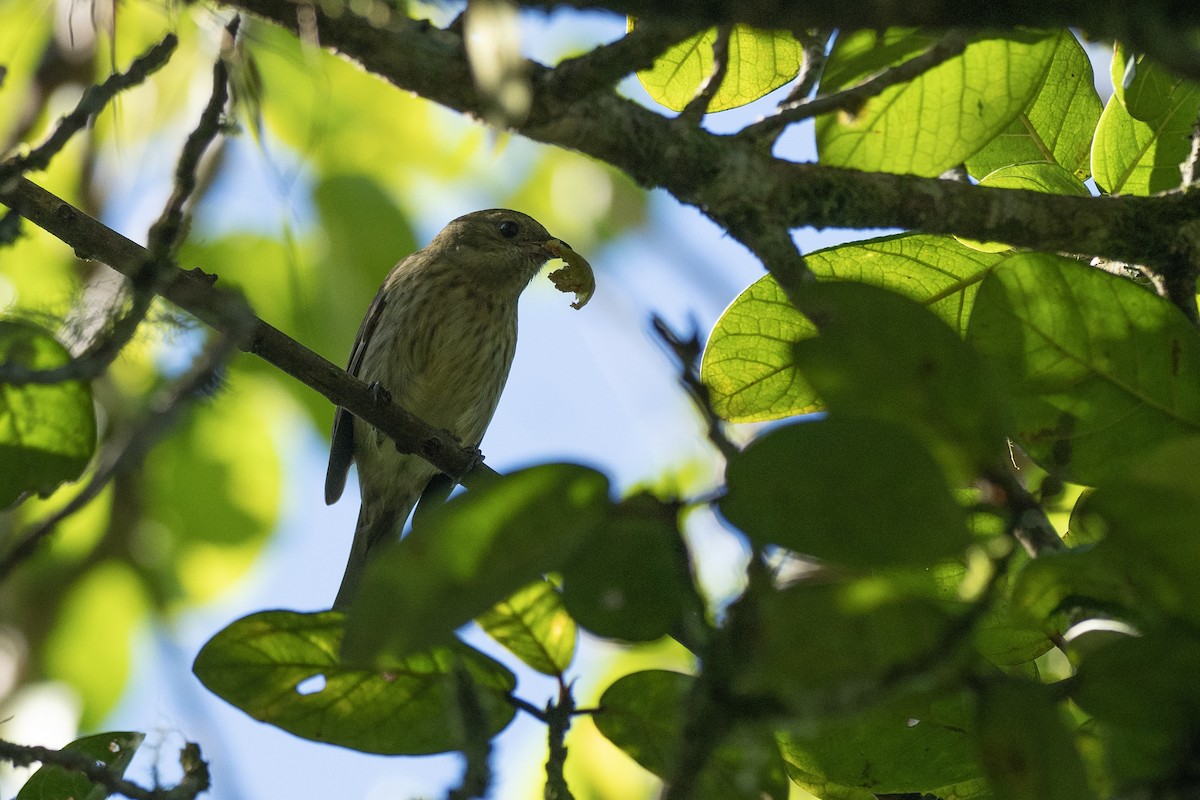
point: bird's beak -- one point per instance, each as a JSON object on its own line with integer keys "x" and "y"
{"x": 576, "y": 276}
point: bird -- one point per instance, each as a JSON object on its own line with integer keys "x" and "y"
{"x": 438, "y": 339}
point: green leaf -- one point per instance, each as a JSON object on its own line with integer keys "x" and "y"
{"x": 470, "y": 554}
{"x": 932, "y": 123}
{"x": 215, "y": 489}
{"x": 114, "y": 750}
{"x": 1037, "y": 176}
{"x": 47, "y": 431}
{"x": 759, "y": 62}
{"x": 1101, "y": 370}
{"x": 749, "y": 363}
{"x": 908, "y": 745}
{"x": 282, "y": 668}
{"x": 851, "y": 491}
{"x": 535, "y": 627}
{"x": 884, "y": 356}
{"x": 817, "y": 646}
{"x": 1025, "y": 745}
{"x": 1146, "y": 682}
{"x": 91, "y": 646}
{"x": 630, "y": 582}
{"x": 1058, "y": 125}
{"x": 1142, "y": 85}
{"x": 1136, "y": 156}
{"x": 643, "y": 714}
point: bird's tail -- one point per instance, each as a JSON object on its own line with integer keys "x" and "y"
{"x": 372, "y": 534}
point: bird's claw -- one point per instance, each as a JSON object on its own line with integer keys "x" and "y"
{"x": 379, "y": 395}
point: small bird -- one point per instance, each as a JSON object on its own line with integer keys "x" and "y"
{"x": 439, "y": 338}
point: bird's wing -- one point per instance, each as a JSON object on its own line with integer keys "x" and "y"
{"x": 341, "y": 448}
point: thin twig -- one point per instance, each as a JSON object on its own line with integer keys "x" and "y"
{"x": 812, "y": 47}
{"x": 164, "y": 239}
{"x": 92, "y": 103}
{"x": 1027, "y": 520}
{"x": 558, "y": 722}
{"x": 1190, "y": 168}
{"x": 195, "y": 770}
{"x": 853, "y": 98}
{"x": 697, "y": 107}
{"x": 601, "y": 68}
{"x": 686, "y": 352}
{"x": 477, "y": 747}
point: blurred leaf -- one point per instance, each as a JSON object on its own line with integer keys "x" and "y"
{"x": 579, "y": 199}
{"x": 643, "y": 714}
{"x": 884, "y": 356}
{"x": 90, "y": 646}
{"x": 26, "y": 30}
{"x": 215, "y": 488}
{"x": 907, "y": 745}
{"x": 938, "y": 120}
{"x": 341, "y": 119}
{"x": 1058, "y": 125}
{"x": 1135, "y": 156}
{"x": 47, "y": 431}
{"x": 1025, "y": 745}
{"x": 471, "y": 553}
{"x": 817, "y": 645}
{"x": 114, "y": 750}
{"x": 367, "y": 232}
{"x": 1145, "y": 682}
{"x": 282, "y": 668}
{"x": 1101, "y": 369}
{"x": 852, "y": 491}
{"x": 628, "y": 583}
{"x": 749, "y": 363}
{"x": 759, "y": 62}
{"x": 535, "y": 627}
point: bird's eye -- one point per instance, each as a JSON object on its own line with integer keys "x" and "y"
{"x": 509, "y": 229}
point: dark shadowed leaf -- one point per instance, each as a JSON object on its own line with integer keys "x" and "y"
{"x": 820, "y": 645}
{"x": 630, "y": 582}
{"x": 1101, "y": 369}
{"x": 471, "y": 553}
{"x": 851, "y": 491}
{"x": 909, "y": 744}
{"x": 1025, "y": 744}
{"x": 643, "y": 714}
{"x": 884, "y": 356}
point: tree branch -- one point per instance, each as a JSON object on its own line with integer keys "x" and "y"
{"x": 697, "y": 107}
{"x": 853, "y": 98}
{"x": 1162, "y": 29}
{"x": 750, "y": 193}
{"x": 194, "y": 292}
{"x": 195, "y": 771}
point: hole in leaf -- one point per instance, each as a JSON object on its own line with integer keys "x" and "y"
{"x": 311, "y": 685}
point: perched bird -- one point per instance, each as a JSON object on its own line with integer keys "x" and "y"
{"x": 439, "y": 338}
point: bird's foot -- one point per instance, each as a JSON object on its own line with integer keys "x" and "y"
{"x": 379, "y": 395}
